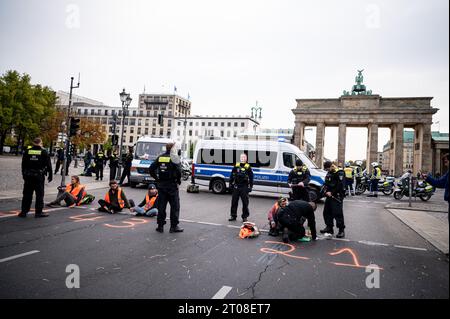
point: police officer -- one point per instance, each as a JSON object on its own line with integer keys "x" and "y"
{"x": 99, "y": 162}
{"x": 358, "y": 174}
{"x": 127, "y": 162}
{"x": 334, "y": 193}
{"x": 113, "y": 164}
{"x": 36, "y": 164}
{"x": 298, "y": 180}
{"x": 349, "y": 179}
{"x": 375, "y": 177}
{"x": 241, "y": 182}
{"x": 292, "y": 217}
{"x": 167, "y": 174}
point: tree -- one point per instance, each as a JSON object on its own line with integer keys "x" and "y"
{"x": 90, "y": 133}
{"x": 25, "y": 109}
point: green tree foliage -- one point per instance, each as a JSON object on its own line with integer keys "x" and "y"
{"x": 26, "y": 110}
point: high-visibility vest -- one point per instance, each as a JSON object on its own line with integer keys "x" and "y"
{"x": 75, "y": 191}
{"x": 348, "y": 172}
{"x": 376, "y": 174}
{"x": 149, "y": 202}
{"x": 119, "y": 198}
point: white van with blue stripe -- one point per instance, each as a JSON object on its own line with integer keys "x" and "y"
{"x": 271, "y": 163}
{"x": 146, "y": 150}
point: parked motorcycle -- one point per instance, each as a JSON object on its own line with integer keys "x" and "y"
{"x": 385, "y": 186}
{"x": 423, "y": 190}
{"x": 186, "y": 170}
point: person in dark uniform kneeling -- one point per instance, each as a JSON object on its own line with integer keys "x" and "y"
{"x": 293, "y": 216}
{"x": 167, "y": 174}
{"x": 36, "y": 164}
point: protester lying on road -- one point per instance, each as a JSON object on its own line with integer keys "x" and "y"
{"x": 149, "y": 206}
{"x": 73, "y": 194}
{"x": 115, "y": 200}
{"x": 293, "y": 216}
{"x": 272, "y": 216}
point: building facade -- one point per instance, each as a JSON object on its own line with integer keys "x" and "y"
{"x": 439, "y": 147}
{"x": 139, "y": 121}
{"x": 210, "y": 127}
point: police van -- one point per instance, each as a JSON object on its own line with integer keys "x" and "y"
{"x": 271, "y": 162}
{"x": 146, "y": 150}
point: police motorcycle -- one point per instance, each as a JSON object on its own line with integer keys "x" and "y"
{"x": 420, "y": 189}
{"x": 186, "y": 170}
{"x": 384, "y": 185}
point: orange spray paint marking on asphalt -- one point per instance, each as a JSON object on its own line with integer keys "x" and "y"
{"x": 355, "y": 264}
{"x": 284, "y": 253}
{"x": 84, "y": 217}
{"x": 129, "y": 224}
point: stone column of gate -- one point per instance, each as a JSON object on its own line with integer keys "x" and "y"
{"x": 320, "y": 136}
{"x": 341, "y": 143}
{"x": 397, "y": 152}
{"x": 437, "y": 162}
{"x": 372, "y": 144}
{"x": 422, "y": 148}
{"x": 299, "y": 135}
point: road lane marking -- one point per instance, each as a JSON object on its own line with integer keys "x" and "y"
{"x": 371, "y": 243}
{"x": 408, "y": 247}
{"x": 19, "y": 256}
{"x": 222, "y": 293}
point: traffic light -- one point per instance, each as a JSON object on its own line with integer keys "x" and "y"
{"x": 160, "y": 119}
{"x": 74, "y": 126}
{"x": 72, "y": 149}
{"x": 115, "y": 139}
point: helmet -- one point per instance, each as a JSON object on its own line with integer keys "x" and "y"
{"x": 347, "y": 164}
{"x": 249, "y": 230}
{"x": 359, "y": 163}
{"x": 374, "y": 164}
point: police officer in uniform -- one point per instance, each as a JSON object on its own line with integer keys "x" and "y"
{"x": 241, "y": 181}
{"x": 113, "y": 165}
{"x": 374, "y": 180}
{"x": 167, "y": 174}
{"x": 349, "y": 179}
{"x": 99, "y": 162}
{"x": 127, "y": 163}
{"x": 36, "y": 164}
{"x": 298, "y": 180}
{"x": 334, "y": 193}
{"x": 358, "y": 173}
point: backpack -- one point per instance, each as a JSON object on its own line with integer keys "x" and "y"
{"x": 249, "y": 230}
{"x": 87, "y": 199}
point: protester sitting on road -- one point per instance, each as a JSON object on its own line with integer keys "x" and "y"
{"x": 293, "y": 216}
{"x": 149, "y": 206}
{"x": 115, "y": 200}
{"x": 272, "y": 216}
{"x": 73, "y": 194}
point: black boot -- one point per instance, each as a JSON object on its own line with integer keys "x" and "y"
{"x": 22, "y": 215}
{"x": 285, "y": 235}
{"x": 232, "y": 219}
{"x": 41, "y": 215}
{"x": 328, "y": 230}
{"x": 340, "y": 234}
{"x": 176, "y": 229}
{"x": 160, "y": 229}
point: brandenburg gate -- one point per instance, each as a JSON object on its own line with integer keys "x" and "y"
{"x": 361, "y": 108}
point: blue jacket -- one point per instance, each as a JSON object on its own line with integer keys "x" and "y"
{"x": 440, "y": 183}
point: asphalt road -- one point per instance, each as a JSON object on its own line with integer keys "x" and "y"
{"x": 121, "y": 256}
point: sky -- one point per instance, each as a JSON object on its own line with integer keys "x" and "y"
{"x": 229, "y": 54}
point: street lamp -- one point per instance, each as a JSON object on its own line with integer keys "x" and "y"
{"x": 126, "y": 101}
{"x": 255, "y": 115}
